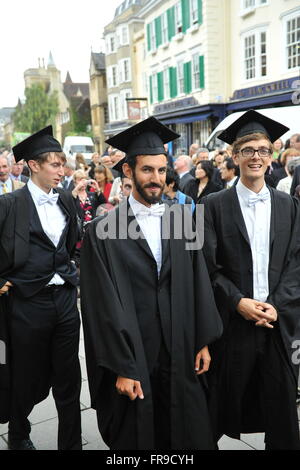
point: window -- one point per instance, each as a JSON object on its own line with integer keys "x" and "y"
{"x": 166, "y": 81}
{"x": 263, "y": 54}
{"x": 113, "y": 102}
{"x": 155, "y": 88}
{"x": 250, "y": 57}
{"x": 293, "y": 42}
{"x": 195, "y": 71}
{"x": 114, "y": 75}
{"x": 123, "y": 103}
{"x": 152, "y": 36}
{"x": 180, "y": 77}
{"x": 178, "y": 18}
{"x": 194, "y": 11}
{"x": 164, "y": 28}
{"x": 255, "y": 54}
{"x": 124, "y": 70}
{"x": 250, "y": 4}
{"x": 124, "y": 35}
{"x": 110, "y": 43}
{"x": 127, "y": 74}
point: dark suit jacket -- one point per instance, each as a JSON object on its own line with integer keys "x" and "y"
{"x": 229, "y": 258}
{"x": 191, "y": 189}
{"x": 184, "y": 180}
{"x": 69, "y": 187}
{"x": 14, "y": 228}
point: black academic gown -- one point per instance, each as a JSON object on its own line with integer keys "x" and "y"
{"x": 114, "y": 334}
{"x": 228, "y": 255}
{"x": 14, "y": 251}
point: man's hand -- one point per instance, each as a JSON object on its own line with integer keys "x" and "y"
{"x": 129, "y": 387}
{"x": 202, "y": 361}
{"x": 5, "y": 288}
{"x": 259, "y": 312}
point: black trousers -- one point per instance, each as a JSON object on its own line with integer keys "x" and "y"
{"x": 44, "y": 353}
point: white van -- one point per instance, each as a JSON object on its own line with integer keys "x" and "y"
{"x": 287, "y": 115}
{"x": 79, "y": 144}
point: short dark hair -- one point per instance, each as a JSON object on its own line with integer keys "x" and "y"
{"x": 171, "y": 176}
{"x": 230, "y": 165}
{"x": 208, "y": 167}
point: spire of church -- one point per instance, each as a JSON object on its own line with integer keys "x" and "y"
{"x": 68, "y": 78}
{"x": 50, "y": 60}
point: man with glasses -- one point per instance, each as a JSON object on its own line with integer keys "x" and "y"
{"x": 250, "y": 234}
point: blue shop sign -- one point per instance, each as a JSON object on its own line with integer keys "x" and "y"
{"x": 271, "y": 88}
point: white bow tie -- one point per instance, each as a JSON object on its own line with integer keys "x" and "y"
{"x": 51, "y": 199}
{"x": 157, "y": 210}
{"x": 265, "y": 196}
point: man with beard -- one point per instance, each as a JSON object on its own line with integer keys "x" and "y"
{"x": 148, "y": 311}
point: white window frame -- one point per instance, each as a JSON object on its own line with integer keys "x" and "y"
{"x": 152, "y": 36}
{"x": 180, "y": 76}
{"x": 154, "y": 87}
{"x": 178, "y": 18}
{"x": 124, "y": 37}
{"x": 166, "y": 82}
{"x": 258, "y": 54}
{"x": 125, "y": 93}
{"x": 108, "y": 39}
{"x": 194, "y": 11}
{"x": 195, "y": 65}
{"x": 286, "y": 18}
{"x": 164, "y": 28}
{"x": 250, "y": 5}
{"x": 114, "y": 107}
{"x": 122, "y": 70}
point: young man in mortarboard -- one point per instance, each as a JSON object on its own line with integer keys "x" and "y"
{"x": 38, "y": 234}
{"x": 250, "y": 246}
{"x": 148, "y": 311}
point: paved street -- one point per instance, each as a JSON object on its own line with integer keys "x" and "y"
{"x": 44, "y": 424}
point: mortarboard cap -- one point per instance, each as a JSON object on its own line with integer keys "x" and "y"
{"x": 145, "y": 138}
{"x": 253, "y": 122}
{"x": 40, "y": 142}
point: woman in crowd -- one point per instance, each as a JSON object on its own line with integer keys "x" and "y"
{"x": 282, "y": 172}
{"x": 286, "y": 183}
{"x": 104, "y": 178}
{"x": 203, "y": 184}
{"x": 81, "y": 163}
{"x": 86, "y": 202}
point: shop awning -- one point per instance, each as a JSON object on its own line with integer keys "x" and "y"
{"x": 185, "y": 119}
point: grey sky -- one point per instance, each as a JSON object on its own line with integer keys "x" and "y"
{"x": 31, "y": 28}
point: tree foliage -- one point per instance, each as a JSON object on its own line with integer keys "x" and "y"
{"x": 38, "y": 111}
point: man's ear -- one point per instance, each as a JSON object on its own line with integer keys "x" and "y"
{"x": 236, "y": 159}
{"x": 127, "y": 170}
{"x": 33, "y": 165}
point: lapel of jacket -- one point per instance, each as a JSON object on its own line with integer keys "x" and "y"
{"x": 165, "y": 235}
{"x": 22, "y": 226}
{"x": 237, "y": 212}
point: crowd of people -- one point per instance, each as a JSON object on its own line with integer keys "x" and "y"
{"x": 182, "y": 345}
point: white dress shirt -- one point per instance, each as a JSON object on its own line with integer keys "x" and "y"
{"x": 8, "y": 184}
{"x": 257, "y": 220}
{"x": 151, "y": 228}
{"x": 52, "y": 219}
{"x": 230, "y": 183}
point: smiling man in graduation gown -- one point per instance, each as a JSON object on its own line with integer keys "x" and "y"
{"x": 148, "y": 312}
{"x": 38, "y": 234}
{"x": 252, "y": 252}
